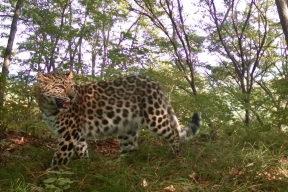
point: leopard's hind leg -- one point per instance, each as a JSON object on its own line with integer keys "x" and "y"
{"x": 128, "y": 137}
{"x": 164, "y": 123}
{"x": 81, "y": 148}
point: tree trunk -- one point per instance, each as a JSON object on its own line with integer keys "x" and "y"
{"x": 247, "y": 119}
{"x": 282, "y": 7}
{"x": 94, "y": 54}
{"x": 8, "y": 52}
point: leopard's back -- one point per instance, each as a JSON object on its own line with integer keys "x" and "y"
{"x": 108, "y": 108}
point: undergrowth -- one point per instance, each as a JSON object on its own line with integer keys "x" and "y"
{"x": 246, "y": 161}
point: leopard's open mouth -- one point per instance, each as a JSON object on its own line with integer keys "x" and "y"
{"x": 62, "y": 104}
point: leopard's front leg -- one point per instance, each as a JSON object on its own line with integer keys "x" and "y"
{"x": 68, "y": 144}
{"x": 64, "y": 152}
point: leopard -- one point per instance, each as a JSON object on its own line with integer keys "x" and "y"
{"x": 120, "y": 107}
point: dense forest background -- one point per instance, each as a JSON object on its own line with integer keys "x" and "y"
{"x": 226, "y": 59}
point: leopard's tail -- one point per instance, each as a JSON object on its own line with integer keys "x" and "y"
{"x": 192, "y": 128}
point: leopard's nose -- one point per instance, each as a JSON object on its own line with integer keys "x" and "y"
{"x": 70, "y": 97}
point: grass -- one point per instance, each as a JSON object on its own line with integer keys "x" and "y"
{"x": 245, "y": 161}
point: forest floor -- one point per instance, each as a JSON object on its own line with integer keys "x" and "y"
{"x": 244, "y": 161}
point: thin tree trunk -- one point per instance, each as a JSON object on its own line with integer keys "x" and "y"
{"x": 282, "y": 7}
{"x": 8, "y": 52}
{"x": 94, "y": 53}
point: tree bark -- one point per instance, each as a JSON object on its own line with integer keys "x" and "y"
{"x": 282, "y": 7}
{"x": 8, "y": 52}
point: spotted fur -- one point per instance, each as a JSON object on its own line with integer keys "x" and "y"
{"x": 75, "y": 112}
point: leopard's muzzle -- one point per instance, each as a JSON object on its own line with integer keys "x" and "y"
{"x": 62, "y": 104}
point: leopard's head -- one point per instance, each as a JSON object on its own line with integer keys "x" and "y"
{"x": 58, "y": 90}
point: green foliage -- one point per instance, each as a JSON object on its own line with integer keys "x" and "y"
{"x": 249, "y": 57}
{"x": 20, "y": 111}
{"x": 57, "y": 182}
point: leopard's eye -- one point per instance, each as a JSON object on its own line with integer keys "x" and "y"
{"x": 61, "y": 86}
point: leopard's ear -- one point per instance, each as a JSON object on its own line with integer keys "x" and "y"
{"x": 70, "y": 75}
{"x": 42, "y": 78}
